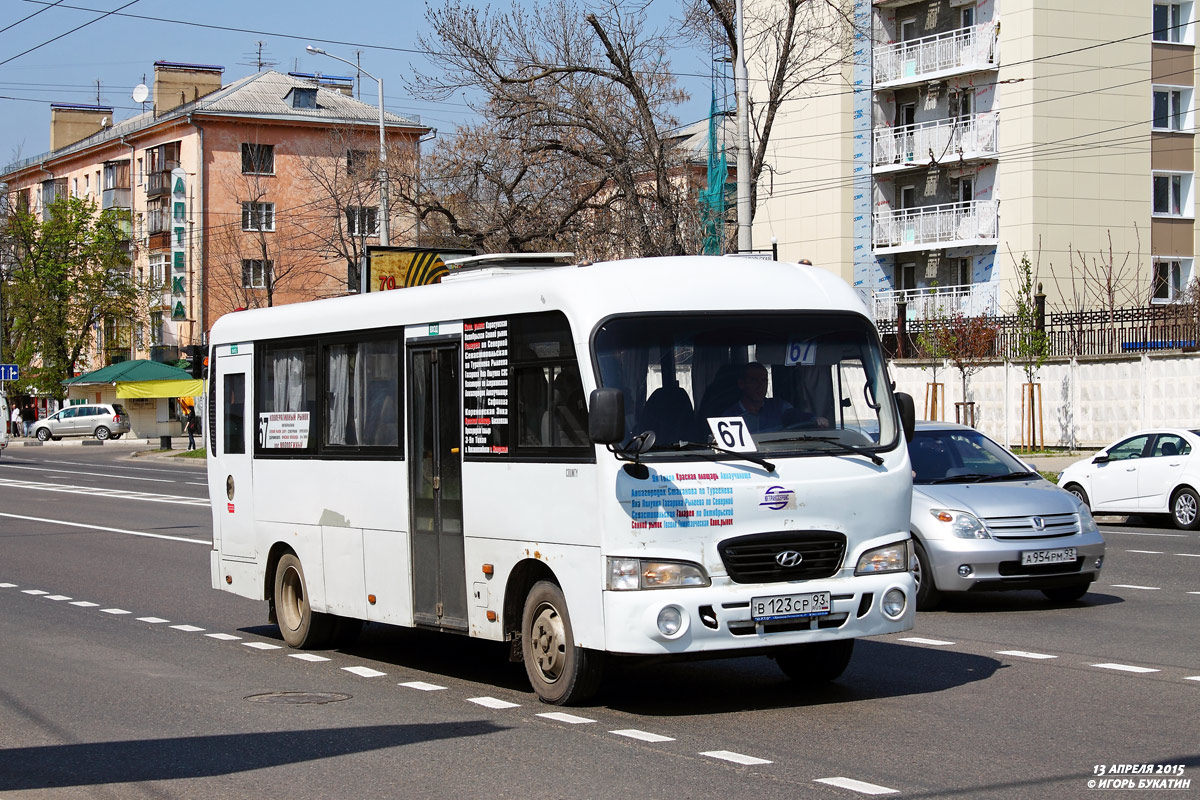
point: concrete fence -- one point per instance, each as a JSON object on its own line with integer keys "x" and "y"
{"x": 1087, "y": 401}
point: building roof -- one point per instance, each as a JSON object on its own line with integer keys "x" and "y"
{"x": 127, "y": 371}
{"x": 265, "y": 95}
{"x": 693, "y": 139}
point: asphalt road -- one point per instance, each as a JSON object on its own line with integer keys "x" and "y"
{"x": 123, "y": 675}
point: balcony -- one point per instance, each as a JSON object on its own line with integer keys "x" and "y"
{"x": 158, "y": 182}
{"x": 941, "y": 55}
{"x": 936, "y": 227}
{"x": 940, "y": 141}
{"x": 972, "y": 300}
{"x": 115, "y": 198}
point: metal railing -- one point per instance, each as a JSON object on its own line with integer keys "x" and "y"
{"x": 962, "y": 49}
{"x": 939, "y": 140}
{"x": 970, "y": 299}
{"x": 916, "y": 228}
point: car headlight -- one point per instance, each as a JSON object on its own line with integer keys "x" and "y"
{"x": 625, "y": 574}
{"x": 1086, "y": 523}
{"x": 889, "y": 558}
{"x": 962, "y": 524}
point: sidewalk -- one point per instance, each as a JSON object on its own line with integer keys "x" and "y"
{"x": 148, "y": 446}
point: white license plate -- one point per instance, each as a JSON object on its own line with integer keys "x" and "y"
{"x": 1063, "y": 555}
{"x": 789, "y": 606}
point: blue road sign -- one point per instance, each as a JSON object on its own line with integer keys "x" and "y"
{"x": 9, "y": 372}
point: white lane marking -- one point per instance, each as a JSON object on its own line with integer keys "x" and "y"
{"x": 206, "y": 542}
{"x": 919, "y": 640}
{"x": 1189, "y": 555}
{"x": 85, "y": 604}
{"x": 559, "y": 716}
{"x": 862, "y": 787}
{"x": 492, "y": 702}
{"x": 187, "y": 628}
{"x": 8, "y": 586}
{"x": 1135, "y": 533}
{"x": 634, "y": 733}
{"x": 737, "y": 758}
{"x": 1024, "y": 654}
{"x": 307, "y": 656}
{"x": 153, "y": 620}
{"x": 1147, "y": 552}
{"x": 113, "y": 493}
{"x": 190, "y": 483}
{"x": 1125, "y": 668}
{"x": 224, "y": 637}
{"x": 57, "y": 597}
{"x": 1133, "y": 586}
{"x": 1193, "y": 592}
{"x": 1192, "y": 678}
{"x": 262, "y": 645}
{"x": 33, "y": 591}
{"x": 422, "y": 686}
{"x": 365, "y": 672}
{"x": 89, "y": 474}
{"x": 115, "y": 611}
{"x": 113, "y": 466}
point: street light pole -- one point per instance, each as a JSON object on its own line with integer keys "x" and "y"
{"x": 383, "y": 193}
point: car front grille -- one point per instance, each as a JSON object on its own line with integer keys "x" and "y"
{"x": 752, "y": 559}
{"x": 1014, "y": 568}
{"x": 1027, "y": 527}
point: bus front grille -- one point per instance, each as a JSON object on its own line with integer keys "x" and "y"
{"x": 783, "y": 556}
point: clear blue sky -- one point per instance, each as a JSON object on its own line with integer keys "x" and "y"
{"x": 120, "y": 50}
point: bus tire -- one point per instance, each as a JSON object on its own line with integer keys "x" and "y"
{"x": 560, "y": 672}
{"x": 819, "y": 662}
{"x": 298, "y": 623}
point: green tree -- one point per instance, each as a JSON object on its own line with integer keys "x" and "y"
{"x": 67, "y": 273}
{"x": 1031, "y": 347}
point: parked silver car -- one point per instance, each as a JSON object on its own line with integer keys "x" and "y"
{"x": 983, "y": 519}
{"x": 104, "y": 421}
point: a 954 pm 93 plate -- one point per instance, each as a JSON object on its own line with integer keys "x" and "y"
{"x": 1063, "y": 555}
{"x": 789, "y": 606}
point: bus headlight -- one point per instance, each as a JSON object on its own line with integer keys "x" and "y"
{"x": 889, "y": 558}
{"x": 962, "y": 524}
{"x": 625, "y": 574}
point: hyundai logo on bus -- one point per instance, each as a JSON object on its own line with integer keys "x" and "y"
{"x": 788, "y": 558}
{"x": 779, "y": 498}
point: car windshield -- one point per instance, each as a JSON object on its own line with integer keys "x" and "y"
{"x": 961, "y": 456}
{"x": 778, "y": 383}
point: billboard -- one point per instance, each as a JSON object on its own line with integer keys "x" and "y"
{"x": 401, "y": 267}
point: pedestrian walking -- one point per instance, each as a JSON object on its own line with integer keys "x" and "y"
{"x": 29, "y": 417}
{"x": 193, "y": 427}
{"x": 16, "y": 420}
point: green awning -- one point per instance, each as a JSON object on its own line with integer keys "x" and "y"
{"x": 131, "y": 372}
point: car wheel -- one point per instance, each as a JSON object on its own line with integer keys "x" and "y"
{"x": 819, "y": 662}
{"x": 1185, "y": 509}
{"x": 928, "y": 596}
{"x": 298, "y": 623}
{"x": 560, "y": 672}
{"x": 1077, "y": 490}
{"x": 1067, "y": 594}
{"x": 43, "y": 434}
{"x": 103, "y": 433}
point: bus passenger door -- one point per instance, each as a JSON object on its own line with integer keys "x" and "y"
{"x": 232, "y": 487}
{"x": 435, "y": 486}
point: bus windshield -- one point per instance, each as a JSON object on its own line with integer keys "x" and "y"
{"x": 795, "y": 383}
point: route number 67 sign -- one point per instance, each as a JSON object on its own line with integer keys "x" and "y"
{"x": 731, "y": 433}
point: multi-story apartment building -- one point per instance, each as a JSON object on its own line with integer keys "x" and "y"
{"x": 258, "y": 192}
{"x": 964, "y": 134}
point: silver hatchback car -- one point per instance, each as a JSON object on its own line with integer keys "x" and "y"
{"x": 102, "y": 420}
{"x": 983, "y": 520}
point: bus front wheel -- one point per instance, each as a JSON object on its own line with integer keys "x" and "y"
{"x": 561, "y": 673}
{"x": 819, "y": 662}
{"x": 299, "y": 624}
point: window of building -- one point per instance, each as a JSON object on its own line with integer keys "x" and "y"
{"x": 908, "y": 196}
{"x": 258, "y": 159}
{"x": 362, "y": 220}
{"x": 966, "y": 17}
{"x": 1171, "y": 279}
{"x": 907, "y": 276}
{"x": 258, "y": 216}
{"x": 256, "y": 272}
{"x": 357, "y": 161}
{"x": 74, "y": 187}
{"x": 160, "y": 267}
{"x": 908, "y": 29}
{"x": 966, "y": 190}
{"x": 962, "y": 104}
{"x": 1173, "y": 108}
{"x": 964, "y": 272}
{"x": 156, "y": 327}
{"x": 1170, "y": 22}
{"x": 304, "y": 97}
{"x": 1172, "y": 193}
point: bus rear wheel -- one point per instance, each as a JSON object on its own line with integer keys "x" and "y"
{"x": 298, "y": 623}
{"x": 819, "y": 662}
{"x": 560, "y": 672}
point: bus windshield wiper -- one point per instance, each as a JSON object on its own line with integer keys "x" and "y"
{"x": 753, "y": 458}
{"x": 838, "y": 444}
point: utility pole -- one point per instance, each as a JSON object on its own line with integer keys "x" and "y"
{"x": 741, "y": 80}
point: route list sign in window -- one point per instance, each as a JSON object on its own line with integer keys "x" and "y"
{"x": 485, "y": 386}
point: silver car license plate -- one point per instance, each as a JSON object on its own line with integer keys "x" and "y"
{"x": 1063, "y": 555}
{"x": 789, "y": 606}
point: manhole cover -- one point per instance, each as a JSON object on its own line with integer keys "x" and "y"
{"x": 298, "y": 698}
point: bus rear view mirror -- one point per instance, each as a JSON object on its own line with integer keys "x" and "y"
{"x": 606, "y": 416}
{"x": 908, "y": 414}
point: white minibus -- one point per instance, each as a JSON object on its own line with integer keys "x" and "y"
{"x": 671, "y": 457}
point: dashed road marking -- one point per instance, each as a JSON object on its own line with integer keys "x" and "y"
{"x": 1125, "y": 668}
{"x": 85, "y": 604}
{"x": 57, "y": 597}
{"x": 1024, "y": 654}
{"x": 862, "y": 787}
{"x": 307, "y": 656}
{"x": 117, "y": 611}
{"x": 262, "y": 645}
{"x": 492, "y": 702}
{"x": 33, "y": 591}
{"x": 1192, "y": 678}
{"x": 152, "y": 620}
{"x": 571, "y": 719}
{"x": 643, "y": 736}
{"x": 187, "y": 628}
{"x": 919, "y": 640}
{"x": 1147, "y": 552}
{"x": 8, "y": 586}
{"x": 422, "y": 686}
{"x": 737, "y": 758}
{"x": 1193, "y": 592}
{"x": 364, "y": 672}
{"x": 1189, "y": 555}
{"x": 224, "y": 637}
{"x": 1133, "y": 586}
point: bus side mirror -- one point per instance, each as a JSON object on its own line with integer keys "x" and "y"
{"x": 606, "y": 416}
{"x": 908, "y": 414}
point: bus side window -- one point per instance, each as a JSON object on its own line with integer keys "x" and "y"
{"x": 234, "y": 397}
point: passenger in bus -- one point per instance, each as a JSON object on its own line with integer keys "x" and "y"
{"x": 763, "y": 413}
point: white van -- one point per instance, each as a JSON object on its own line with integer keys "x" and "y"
{"x": 5, "y": 414}
{"x": 663, "y": 457}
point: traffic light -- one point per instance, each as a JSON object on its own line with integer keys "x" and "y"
{"x": 199, "y": 357}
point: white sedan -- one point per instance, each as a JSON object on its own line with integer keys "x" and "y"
{"x": 1148, "y": 472}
